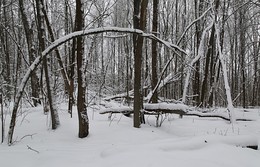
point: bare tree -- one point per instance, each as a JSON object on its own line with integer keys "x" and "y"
{"x": 140, "y": 9}
{"x": 31, "y": 53}
{"x": 154, "y": 51}
{"x": 81, "y": 99}
{"x": 41, "y": 34}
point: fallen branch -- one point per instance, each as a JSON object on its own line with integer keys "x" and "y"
{"x": 162, "y": 108}
{"x": 117, "y": 110}
{"x": 30, "y": 148}
{"x": 30, "y": 135}
{"x": 210, "y": 115}
{"x": 122, "y": 95}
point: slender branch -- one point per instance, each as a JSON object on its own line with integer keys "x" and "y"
{"x": 30, "y": 148}
{"x": 191, "y": 24}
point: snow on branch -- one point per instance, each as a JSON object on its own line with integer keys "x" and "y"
{"x": 192, "y": 23}
{"x": 117, "y": 110}
{"x": 150, "y": 108}
{"x": 166, "y": 107}
{"x": 169, "y": 108}
{"x": 68, "y": 37}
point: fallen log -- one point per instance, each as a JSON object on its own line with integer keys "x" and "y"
{"x": 162, "y": 108}
{"x": 117, "y": 110}
{"x": 210, "y": 115}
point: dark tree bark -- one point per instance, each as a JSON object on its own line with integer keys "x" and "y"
{"x": 6, "y": 49}
{"x": 54, "y": 113}
{"x": 199, "y": 26}
{"x": 71, "y": 57}
{"x": 81, "y": 99}
{"x": 205, "y": 82}
{"x": 140, "y": 9}
{"x": 31, "y": 53}
{"x": 154, "y": 97}
{"x": 210, "y": 62}
{"x": 242, "y": 40}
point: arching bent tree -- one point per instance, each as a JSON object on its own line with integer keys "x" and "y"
{"x": 59, "y": 42}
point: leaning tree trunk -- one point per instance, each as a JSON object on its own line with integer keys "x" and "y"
{"x": 230, "y": 106}
{"x": 62, "y": 68}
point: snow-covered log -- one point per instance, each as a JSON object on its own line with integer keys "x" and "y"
{"x": 170, "y": 108}
{"x": 180, "y": 109}
{"x": 117, "y": 110}
{"x": 150, "y": 109}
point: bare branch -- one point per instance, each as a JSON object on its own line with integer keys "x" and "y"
{"x": 30, "y": 148}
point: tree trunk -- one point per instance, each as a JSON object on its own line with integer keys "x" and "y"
{"x": 6, "y": 49}
{"x": 54, "y": 113}
{"x": 62, "y": 68}
{"x": 242, "y": 53}
{"x": 139, "y": 23}
{"x": 199, "y": 27}
{"x": 81, "y": 99}
{"x": 31, "y": 52}
{"x": 154, "y": 97}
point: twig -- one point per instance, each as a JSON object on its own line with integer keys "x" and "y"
{"x": 30, "y": 148}
{"x": 28, "y": 136}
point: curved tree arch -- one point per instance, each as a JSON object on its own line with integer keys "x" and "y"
{"x": 61, "y": 41}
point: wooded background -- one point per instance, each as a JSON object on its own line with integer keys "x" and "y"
{"x": 27, "y": 27}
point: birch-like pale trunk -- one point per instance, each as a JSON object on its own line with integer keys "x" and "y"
{"x": 196, "y": 58}
{"x": 230, "y": 106}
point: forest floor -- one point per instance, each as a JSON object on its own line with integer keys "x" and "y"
{"x": 190, "y": 141}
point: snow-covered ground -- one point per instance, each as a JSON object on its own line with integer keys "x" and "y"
{"x": 191, "y": 141}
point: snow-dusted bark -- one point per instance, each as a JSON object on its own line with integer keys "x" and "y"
{"x": 194, "y": 60}
{"x": 59, "y": 42}
{"x": 230, "y": 106}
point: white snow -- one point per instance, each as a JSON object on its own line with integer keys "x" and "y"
{"x": 191, "y": 141}
{"x": 166, "y": 106}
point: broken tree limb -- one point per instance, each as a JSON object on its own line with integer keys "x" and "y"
{"x": 130, "y": 94}
{"x": 164, "y": 108}
{"x": 210, "y": 115}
